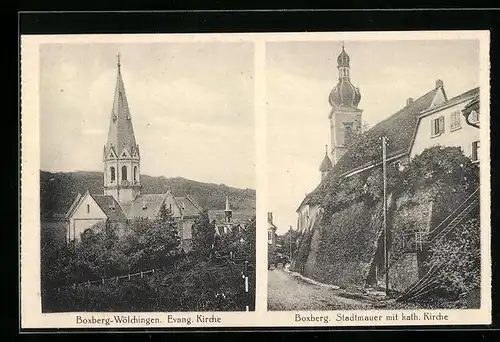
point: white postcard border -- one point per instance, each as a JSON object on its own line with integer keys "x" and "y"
{"x": 30, "y": 304}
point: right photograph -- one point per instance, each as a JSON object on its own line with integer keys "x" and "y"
{"x": 373, "y": 154}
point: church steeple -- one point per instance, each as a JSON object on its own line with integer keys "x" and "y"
{"x": 345, "y": 116}
{"x": 121, "y": 133}
{"x": 121, "y": 152}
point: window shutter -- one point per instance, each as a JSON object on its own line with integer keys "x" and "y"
{"x": 441, "y": 124}
{"x": 433, "y": 125}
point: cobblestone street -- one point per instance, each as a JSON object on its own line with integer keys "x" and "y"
{"x": 286, "y": 292}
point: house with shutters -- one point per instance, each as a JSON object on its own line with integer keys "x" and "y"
{"x": 122, "y": 199}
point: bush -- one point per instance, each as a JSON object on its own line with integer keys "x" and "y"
{"x": 460, "y": 257}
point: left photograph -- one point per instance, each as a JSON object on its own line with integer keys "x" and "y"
{"x": 147, "y": 177}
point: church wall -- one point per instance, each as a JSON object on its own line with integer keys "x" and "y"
{"x": 187, "y": 229}
{"x": 303, "y": 217}
{"x": 85, "y": 216}
{"x": 462, "y": 137}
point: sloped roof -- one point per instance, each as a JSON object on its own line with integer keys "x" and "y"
{"x": 110, "y": 207}
{"x": 238, "y": 216}
{"x": 188, "y": 206}
{"x": 326, "y": 164}
{"x": 398, "y": 128}
{"x": 304, "y": 201}
{"x": 121, "y": 132}
{"x": 468, "y": 95}
{"x": 152, "y": 206}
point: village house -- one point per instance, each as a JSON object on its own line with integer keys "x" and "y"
{"x": 122, "y": 199}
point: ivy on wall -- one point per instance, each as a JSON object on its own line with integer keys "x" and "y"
{"x": 351, "y": 224}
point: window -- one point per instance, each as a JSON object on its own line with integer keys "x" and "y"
{"x": 455, "y": 121}
{"x": 348, "y": 132}
{"x": 474, "y": 116}
{"x": 437, "y": 126}
{"x": 135, "y": 173}
{"x": 88, "y": 208}
{"x": 475, "y": 151}
{"x": 113, "y": 174}
{"x": 124, "y": 173}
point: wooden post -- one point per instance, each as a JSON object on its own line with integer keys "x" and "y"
{"x": 386, "y": 249}
{"x": 247, "y": 298}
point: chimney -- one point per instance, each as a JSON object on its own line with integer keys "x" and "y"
{"x": 270, "y": 217}
{"x": 439, "y": 84}
{"x": 409, "y": 101}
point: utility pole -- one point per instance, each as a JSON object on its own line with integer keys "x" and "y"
{"x": 386, "y": 249}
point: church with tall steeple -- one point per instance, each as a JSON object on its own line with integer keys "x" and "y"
{"x": 345, "y": 120}
{"x": 121, "y": 152}
{"x": 122, "y": 199}
{"x": 344, "y": 116}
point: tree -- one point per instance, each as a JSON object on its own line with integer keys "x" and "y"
{"x": 203, "y": 235}
{"x": 355, "y": 135}
{"x": 152, "y": 242}
{"x": 460, "y": 258}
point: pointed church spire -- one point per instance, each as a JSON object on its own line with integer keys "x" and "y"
{"x": 121, "y": 133}
{"x": 121, "y": 158}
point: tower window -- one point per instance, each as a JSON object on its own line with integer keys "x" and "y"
{"x": 135, "y": 173}
{"x": 348, "y": 132}
{"x": 124, "y": 173}
{"x": 88, "y": 208}
{"x": 113, "y": 173}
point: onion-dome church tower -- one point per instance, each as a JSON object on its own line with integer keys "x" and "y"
{"x": 345, "y": 116}
{"x": 121, "y": 152}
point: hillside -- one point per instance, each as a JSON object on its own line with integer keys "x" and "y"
{"x": 58, "y": 190}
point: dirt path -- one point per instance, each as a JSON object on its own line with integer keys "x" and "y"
{"x": 286, "y": 292}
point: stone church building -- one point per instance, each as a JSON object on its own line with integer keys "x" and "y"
{"x": 122, "y": 199}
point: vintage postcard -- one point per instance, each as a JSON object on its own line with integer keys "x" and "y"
{"x": 154, "y": 167}
{"x": 378, "y": 185}
{"x": 146, "y": 180}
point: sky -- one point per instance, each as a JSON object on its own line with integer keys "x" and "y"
{"x": 192, "y": 107}
{"x": 299, "y": 78}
